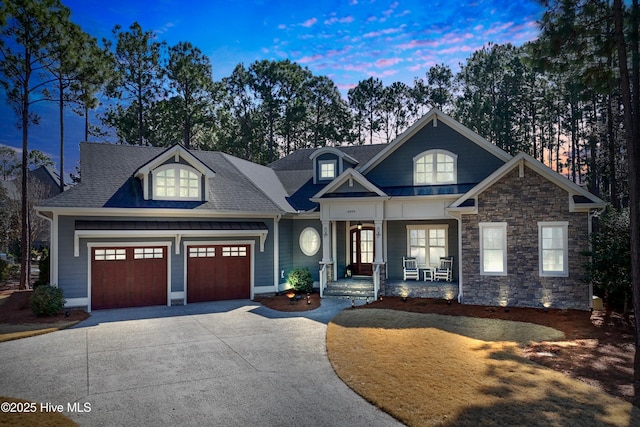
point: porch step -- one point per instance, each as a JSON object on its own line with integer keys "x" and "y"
{"x": 349, "y": 290}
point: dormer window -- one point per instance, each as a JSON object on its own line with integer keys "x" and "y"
{"x": 435, "y": 167}
{"x": 327, "y": 169}
{"x": 329, "y": 163}
{"x": 176, "y": 182}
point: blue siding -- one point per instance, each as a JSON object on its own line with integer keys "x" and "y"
{"x": 474, "y": 162}
{"x": 286, "y": 247}
{"x": 300, "y": 260}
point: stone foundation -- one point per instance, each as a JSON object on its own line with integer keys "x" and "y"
{"x": 438, "y": 290}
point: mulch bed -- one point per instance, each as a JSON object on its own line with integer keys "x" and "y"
{"x": 16, "y": 310}
{"x": 290, "y": 302}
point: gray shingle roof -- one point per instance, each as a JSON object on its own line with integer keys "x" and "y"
{"x": 107, "y": 181}
{"x": 296, "y": 169}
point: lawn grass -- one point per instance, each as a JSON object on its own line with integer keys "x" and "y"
{"x": 33, "y": 419}
{"x": 442, "y": 370}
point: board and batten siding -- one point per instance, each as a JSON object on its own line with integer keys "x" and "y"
{"x": 474, "y": 162}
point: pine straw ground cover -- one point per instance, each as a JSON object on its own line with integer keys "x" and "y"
{"x": 431, "y": 369}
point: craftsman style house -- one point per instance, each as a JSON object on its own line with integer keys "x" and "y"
{"x": 149, "y": 226}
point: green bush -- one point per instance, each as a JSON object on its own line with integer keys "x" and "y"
{"x": 47, "y": 300}
{"x": 300, "y": 280}
{"x": 610, "y": 263}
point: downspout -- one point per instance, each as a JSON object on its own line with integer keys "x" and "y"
{"x": 592, "y": 214}
{"x": 460, "y": 277}
{"x": 53, "y": 243}
{"x": 276, "y": 253}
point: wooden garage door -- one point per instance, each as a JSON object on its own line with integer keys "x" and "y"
{"x": 128, "y": 277}
{"x": 218, "y": 272}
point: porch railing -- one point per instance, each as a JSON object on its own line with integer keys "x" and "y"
{"x": 376, "y": 282}
{"x": 323, "y": 279}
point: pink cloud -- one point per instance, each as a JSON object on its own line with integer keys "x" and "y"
{"x": 417, "y": 43}
{"x": 386, "y": 31}
{"x": 498, "y": 29}
{"x": 335, "y": 19}
{"x": 309, "y": 22}
{"x": 383, "y": 74}
{"x": 307, "y": 59}
{"x": 356, "y": 67}
{"x": 381, "y": 63}
{"x": 389, "y": 11}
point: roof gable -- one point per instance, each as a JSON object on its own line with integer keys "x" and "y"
{"x": 433, "y": 117}
{"x": 580, "y": 199}
{"x": 349, "y": 177}
{"x": 178, "y": 152}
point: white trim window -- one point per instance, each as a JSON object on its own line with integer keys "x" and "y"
{"x": 553, "y": 244}
{"x": 427, "y": 243}
{"x": 176, "y": 182}
{"x": 493, "y": 248}
{"x": 435, "y": 167}
{"x": 309, "y": 241}
{"x": 327, "y": 169}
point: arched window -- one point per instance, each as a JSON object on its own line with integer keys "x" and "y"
{"x": 176, "y": 182}
{"x": 435, "y": 167}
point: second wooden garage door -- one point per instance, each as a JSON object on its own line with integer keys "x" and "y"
{"x": 218, "y": 272}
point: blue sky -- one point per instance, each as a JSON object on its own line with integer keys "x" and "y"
{"x": 348, "y": 41}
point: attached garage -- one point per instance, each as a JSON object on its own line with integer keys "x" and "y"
{"x": 128, "y": 277}
{"x": 218, "y": 272}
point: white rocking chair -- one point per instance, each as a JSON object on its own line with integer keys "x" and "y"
{"x": 410, "y": 268}
{"x": 445, "y": 271}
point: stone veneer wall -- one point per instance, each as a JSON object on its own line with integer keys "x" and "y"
{"x": 521, "y": 203}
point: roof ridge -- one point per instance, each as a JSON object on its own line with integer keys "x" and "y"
{"x": 253, "y": 184}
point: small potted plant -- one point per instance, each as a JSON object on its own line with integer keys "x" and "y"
{"x": 348, "y": 271}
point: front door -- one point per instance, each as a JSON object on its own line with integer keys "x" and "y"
{"x": 362, "y": 245}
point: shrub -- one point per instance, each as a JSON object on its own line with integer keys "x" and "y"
{"x": 610, "y": 263}
{"x": 300, "y": 280}
{"x": 47, "y": 300}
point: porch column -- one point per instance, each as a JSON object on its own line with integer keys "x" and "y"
{"x": 326, "y": 242}
{"x": 379, "y": 253}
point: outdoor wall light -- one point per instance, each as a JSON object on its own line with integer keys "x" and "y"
{"x": 359, "y": 225}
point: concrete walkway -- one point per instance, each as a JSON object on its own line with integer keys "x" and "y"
{"x": 231, "y": 363}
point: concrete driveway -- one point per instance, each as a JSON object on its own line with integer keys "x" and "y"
{"x": 231, "y": 363}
